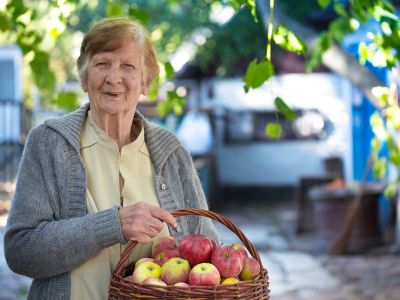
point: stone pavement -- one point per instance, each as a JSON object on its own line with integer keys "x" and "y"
{"x": 299, "y": 270}
{"x": 295, "y": 274}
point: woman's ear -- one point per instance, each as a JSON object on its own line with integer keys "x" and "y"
{"x": 145, "y": 88}
{"x": 84, "y": 86}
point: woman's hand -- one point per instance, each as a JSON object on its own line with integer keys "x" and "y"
{"x": 141, "y": 221}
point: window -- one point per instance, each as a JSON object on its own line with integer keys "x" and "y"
{"x": 249, "y": 126}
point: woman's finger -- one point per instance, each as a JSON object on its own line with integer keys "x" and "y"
{"x": 163, "y": 215}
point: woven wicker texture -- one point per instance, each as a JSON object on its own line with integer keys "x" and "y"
{"x": 255, "y": 289}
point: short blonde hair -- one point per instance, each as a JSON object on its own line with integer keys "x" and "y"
{"x": 110, "y": 34}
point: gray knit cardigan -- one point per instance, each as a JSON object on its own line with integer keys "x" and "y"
{"x": 49, "y": 230}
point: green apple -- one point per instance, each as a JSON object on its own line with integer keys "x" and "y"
{"x": 175, "y": 270}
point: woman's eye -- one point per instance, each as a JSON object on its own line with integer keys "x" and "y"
{"x": 129, "y": 66}
{"x": 101, "y": 64}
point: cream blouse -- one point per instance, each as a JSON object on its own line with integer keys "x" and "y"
{"x": 113, "y": 178}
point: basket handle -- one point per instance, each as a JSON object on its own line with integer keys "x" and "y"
{"x": 199, "y": 212}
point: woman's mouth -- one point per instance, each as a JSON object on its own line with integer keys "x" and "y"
{"x": 112, "y": 94}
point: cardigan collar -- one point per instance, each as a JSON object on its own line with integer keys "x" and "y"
{"x": 160, "y": 141}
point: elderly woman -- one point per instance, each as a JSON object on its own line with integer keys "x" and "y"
{"x": 93, "y": 179}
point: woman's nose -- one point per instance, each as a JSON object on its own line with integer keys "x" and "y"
{"x": 114, "y": 75}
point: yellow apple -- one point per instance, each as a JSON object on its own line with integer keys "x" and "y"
{"x": 145, "y": 270}
{"x": 230, "y": 280}
{"x": 142, "y": 260}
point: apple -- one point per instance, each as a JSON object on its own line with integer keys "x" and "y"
{"x": 251, "y": 269}
{"x": 230, "y": 280}
{"x": 196, "y": 249}
{"x": 145, "y": 270}
{"x": 228, "y": 261}
{"x": 154, "y": 281}
{"x": 165, "y": 255}
{"x": 142, "y": 260}
{"x": 204, "y": 274}
{"x": 182, "y": 284}
{"x": 242, "y": 250}
{"x": 166, "y": 242}
{"x": 175, "y": 270}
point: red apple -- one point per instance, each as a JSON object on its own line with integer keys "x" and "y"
{"x": 175, "y": 270}
{"x": 228, "y": 261}
{"x": 163, "y": 243}
{"x": 251, "y": 269}
{"x": 196, "y": 249}
{"x": 165, "y": 255}
{"x": 204, "y": 274}
{"x": 182, "y": 285}
{"x": 241, "y": 249}
{"x": 154, "y": 281}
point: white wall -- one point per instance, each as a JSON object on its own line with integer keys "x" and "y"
{"x": 283, "y": 162}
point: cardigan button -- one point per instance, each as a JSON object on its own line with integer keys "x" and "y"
{"x": 163, "y": 186}
{"x": 179, "y": 229}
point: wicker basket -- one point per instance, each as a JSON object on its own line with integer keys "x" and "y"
{"x": 256, "y": 289}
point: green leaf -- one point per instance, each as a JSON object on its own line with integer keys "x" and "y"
{"x": 324, "y": 3}
{"x": 252, "y": 5}
{"x": 17, "y": 8}
{"x": 381, "y": 14}
{"x": 44, "y": 77}
{"x": 395, "y": 158}
{"x": 375, "y": 145}
{"x": 362, "y": 53}
{"x": 287, "y": 40}
{"x": 391, "y": 189}
{"x": 153, "y": 90}
{"x": 67, "y": 100}
{"x": 172, "y": 104}
{"x": 236, "y": 4}
{"x": 115, "y": 9}
{"x": 273, "y": 130}
{"x": 323, "y": 43}
{"x": 285, "y": 110}
{"x": 379, "y": 167}
{"x": 340, "y": 9}
{"x": 258, "y": 73}
{"x": 5, "y": 22}
{"x": 169, "y": 70}
{"x": 139, "y": 14}
{"x": 163, "y": 108}
{"x": 378, "y": 126}
{"x": 340, "y": 27}
{"x": 392, "y": 144}
{"x": 382, "y": 93}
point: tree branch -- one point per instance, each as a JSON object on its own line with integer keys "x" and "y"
{"x": 335, "y": 58}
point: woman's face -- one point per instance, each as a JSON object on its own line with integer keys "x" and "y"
{"x": 114, "y": 80}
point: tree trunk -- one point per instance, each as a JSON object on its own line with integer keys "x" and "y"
{"x": 335, "y": 59}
